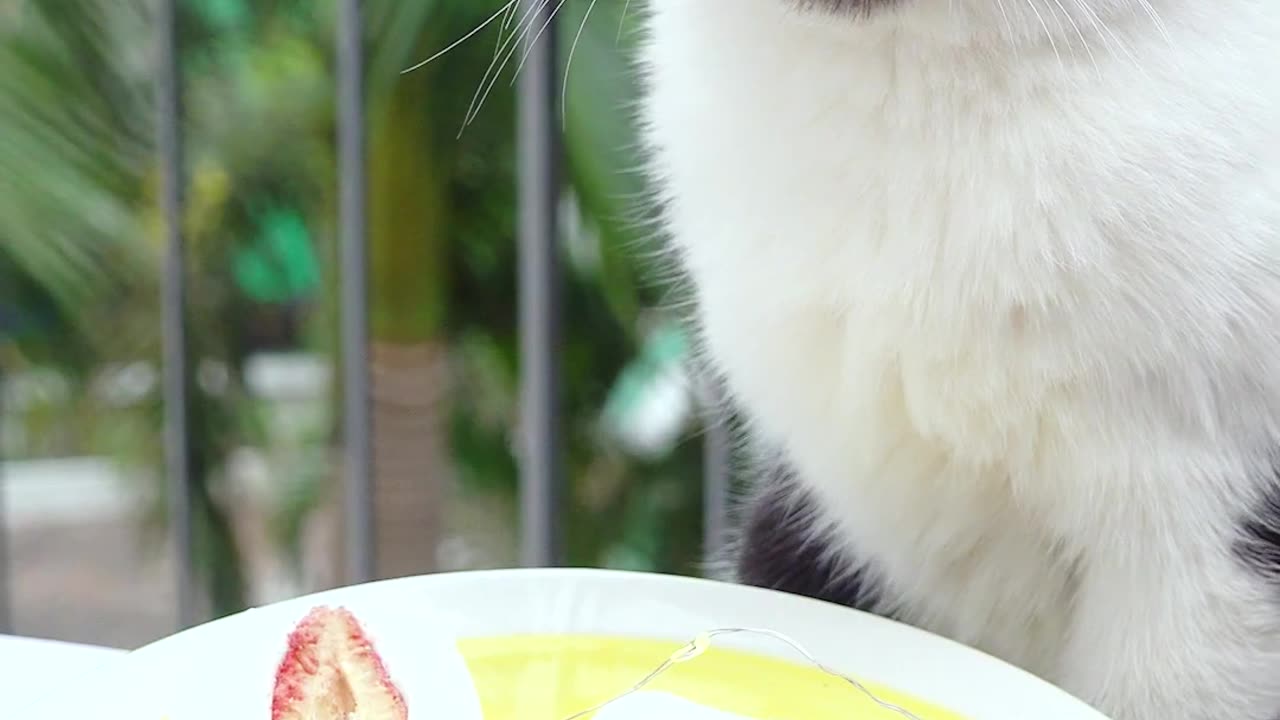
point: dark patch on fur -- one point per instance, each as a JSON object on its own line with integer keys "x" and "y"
{"x": 780, "y": 550}
{"x": 1259, "y": 545}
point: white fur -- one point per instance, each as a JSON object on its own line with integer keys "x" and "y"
{"x": 1008, "y": 295}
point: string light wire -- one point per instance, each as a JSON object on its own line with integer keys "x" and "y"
{"x": 704, "y": 641}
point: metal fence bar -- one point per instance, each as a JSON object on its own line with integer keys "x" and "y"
{"x": 176, "y": 371}
{"x": 717, "y": 478}
{"x": 357, "y": 423}
{"x": 541, "y": 474}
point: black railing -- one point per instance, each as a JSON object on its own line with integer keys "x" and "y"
{"x": 177, "y": 375}
{"x": 539, "y": 277}
{"x": 357, "y": 440}
{"x": 541, "y": 471}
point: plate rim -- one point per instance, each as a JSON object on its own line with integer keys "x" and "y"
{"x": 991, "y": 672}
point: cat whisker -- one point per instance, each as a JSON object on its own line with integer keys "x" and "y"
{"x": 623, "y": 20}
{"x": 1049, "y": 33}
{"x": 1159, "y": 21}
{"x": 491, "y": 19}
{"x": 1080, "y": 34}
{"x": 1109, "y": 37}
{"x": 564, "y": 85}
{"x": 1008, "y": 24}
{"x": 497, "y": 53}
{"x": 534, "y": 41}
{"x": 513, "y": 43}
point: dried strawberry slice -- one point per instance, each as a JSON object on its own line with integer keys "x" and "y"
{"x": 331, "y": 671}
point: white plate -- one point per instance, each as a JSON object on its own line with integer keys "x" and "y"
{"x": 30, "y": 669}
{"x": 224, "y": 669}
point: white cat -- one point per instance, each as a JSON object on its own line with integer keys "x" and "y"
{"x": 998, "y": 283}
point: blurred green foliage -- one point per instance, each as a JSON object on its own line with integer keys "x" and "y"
{"x": 80, "y": 254}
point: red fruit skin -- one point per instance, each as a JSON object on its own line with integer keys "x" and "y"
{"x": 360, "y": 648}
{"x": 302, "y": 672}
{"x": 301, "y": 663}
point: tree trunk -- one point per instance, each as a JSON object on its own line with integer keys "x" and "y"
{"x": 410, "y": 475}
{"x": 410, "y": 455}
{"x": 408, "y": 236}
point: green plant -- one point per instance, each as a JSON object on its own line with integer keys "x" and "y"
{"x": 79, "y": 240}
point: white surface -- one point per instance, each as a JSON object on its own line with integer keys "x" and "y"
{"x": 224, "y": 669}
{"x": 647, "y": 706}
{"x": 32, "y": 670}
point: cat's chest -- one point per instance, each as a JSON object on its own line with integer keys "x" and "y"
{"x": 868, "y": 298}
{"x": 890, "y": 244}
{"x": 862, "y": 269}
{"x": 852, "y": 351}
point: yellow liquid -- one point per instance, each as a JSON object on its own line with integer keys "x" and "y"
{"x": 551, "y": 677}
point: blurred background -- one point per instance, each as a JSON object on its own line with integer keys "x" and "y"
{"x": 86, "y": 464}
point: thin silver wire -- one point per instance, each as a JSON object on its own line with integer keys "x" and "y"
{"x": 703, "y": 642}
